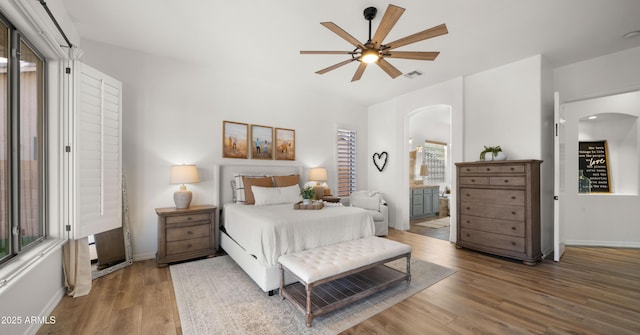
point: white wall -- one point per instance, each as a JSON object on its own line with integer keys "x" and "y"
{"x": 173, "y": 113}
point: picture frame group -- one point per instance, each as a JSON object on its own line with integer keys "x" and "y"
{"x": 244, "y": 141}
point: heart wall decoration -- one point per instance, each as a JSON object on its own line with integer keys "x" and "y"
{"x": 380, "y": 160}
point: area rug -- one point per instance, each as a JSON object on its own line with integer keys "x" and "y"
{"x": 437, "y": 223}
{"x": 215, "y": 296}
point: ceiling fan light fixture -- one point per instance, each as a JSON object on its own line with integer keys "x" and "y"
{"x": 370, "y": 56}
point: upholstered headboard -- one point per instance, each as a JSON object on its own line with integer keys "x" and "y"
{"x": 223, "y": 175}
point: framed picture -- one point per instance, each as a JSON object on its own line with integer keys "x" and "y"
{"x": 261, "y": 142}
{"x": 234, "y": 140}
{"x": 285, "y": 144}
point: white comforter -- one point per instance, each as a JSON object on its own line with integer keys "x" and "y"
{"x": 267, "y": 232}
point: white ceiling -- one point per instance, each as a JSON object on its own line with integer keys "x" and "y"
{"x": 262, "y": 39}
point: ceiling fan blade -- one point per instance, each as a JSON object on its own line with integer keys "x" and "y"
{"x": 345, "y": 35}
{"x": 388, "y": 68}
{"x": 359, "y": 71}
{"x": 419, "y": 55}
{"x": 391, "y": 16}
{"x": 417, "y": 37}
{"x": 335, "y": 66}
{"x": 327, "y": 53}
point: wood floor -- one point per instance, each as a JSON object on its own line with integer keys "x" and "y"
{"x": 591, "y": 291}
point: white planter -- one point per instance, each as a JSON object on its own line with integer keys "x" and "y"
{"x": 500, "y": 156}
{"x": 306, "y": 201}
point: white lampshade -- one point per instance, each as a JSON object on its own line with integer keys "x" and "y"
{"x": 318, "y": 174}
{"x": 183, "y": 174}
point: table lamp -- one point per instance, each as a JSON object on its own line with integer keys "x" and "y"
{"x": 319, "y": 175}
{"x": 183, "y": 174}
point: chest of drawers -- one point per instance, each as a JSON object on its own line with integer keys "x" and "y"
{"x": 185, "y": 233}
{"x": 499, "y": 208}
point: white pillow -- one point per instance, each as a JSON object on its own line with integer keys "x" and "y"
{"x": 366, "y": 202}
{"x": 276, "y": 195}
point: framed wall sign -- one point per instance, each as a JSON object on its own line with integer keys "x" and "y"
{"x": 593, "y": 167}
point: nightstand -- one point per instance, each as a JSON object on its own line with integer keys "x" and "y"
{"x": 185, "y": 233}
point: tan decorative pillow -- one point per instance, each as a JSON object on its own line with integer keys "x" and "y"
{"x": 284, "y": 181}
{"x": 248, "y": 182}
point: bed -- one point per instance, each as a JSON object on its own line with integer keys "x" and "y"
{"x": 255, "y": 236}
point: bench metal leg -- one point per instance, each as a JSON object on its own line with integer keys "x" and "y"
{"x": 281, "y": 282}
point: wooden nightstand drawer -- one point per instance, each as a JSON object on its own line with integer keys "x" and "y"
{"x": 189, "y": 232}
{"x": 506, "y": 227}
{"x": 506, "y": 242}
{"x": 184, "y": 246}
{"x": 503, "y": 197}
{"x": 188, "y": 218}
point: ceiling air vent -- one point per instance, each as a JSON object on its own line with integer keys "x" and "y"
{"x": 413, "y": 74}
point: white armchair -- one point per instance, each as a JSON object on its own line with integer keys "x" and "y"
{"x": 376, "y": 206}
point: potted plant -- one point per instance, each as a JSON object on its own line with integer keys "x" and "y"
{"x": 307, "y": 194}
{"x": 495, "y": 153}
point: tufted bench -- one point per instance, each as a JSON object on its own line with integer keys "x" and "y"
{"x": 341, "y": 273}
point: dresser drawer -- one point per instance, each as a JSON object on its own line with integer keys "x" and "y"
{"x": 507, "y": 168}
{"x": 468, "y": 170}
{"x": 505, "y": 212}
{"x": 188, "y": 218}
{"x": 503, "y": 197}
{"x": 492, "y": 240}
{"x": 506, "y": 227}
{"x": 417, "y": 192}
{"x": 188, "y": 232}
{"x": 417, "y": 199}
{"x": 507, "y": 181}
{"x": 475, "y": 180}
{"x": 184, "y": 246}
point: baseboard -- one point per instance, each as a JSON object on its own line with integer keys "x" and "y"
{"x": 144, "y": 257}
{"x": 46, "y": 312}
{"x": 608, "y": 244}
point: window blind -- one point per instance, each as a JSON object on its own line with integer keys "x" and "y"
{"x": 346, "y": 162}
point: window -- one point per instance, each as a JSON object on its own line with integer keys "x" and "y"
{"x": 22, "y": 123}
{"x": 346, "y": 162}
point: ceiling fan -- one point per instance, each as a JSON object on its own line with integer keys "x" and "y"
{"x": 374, "y": 51}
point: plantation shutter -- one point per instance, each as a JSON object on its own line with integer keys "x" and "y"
{"x": 346, "y": 162}
{"x": 96, "y": 152}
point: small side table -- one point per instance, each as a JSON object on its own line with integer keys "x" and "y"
{"x": 185, "y": 233}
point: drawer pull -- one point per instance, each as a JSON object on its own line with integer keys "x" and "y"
{"x": 513, "y": 169}
{"x": 513, "y": 197}
{"x": 468, "y": 169}
{"x": 513, "y": 228}
{"x": 189, "y": 246}
{"x": 189, "y": 218}
{"x": 468, "y": 194}
{"x": 513, "y": 243}
{"x": 189, "y": 232}
{"x": 514, "y": 213}
{"x": 468, "y": 221}
{"x": 473, "y": 180}
{"x": 468, "y": 208}
{"x": 488, "y": 169}
{"x": 468, "y": 235}
{"x": 506, "y": 180}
